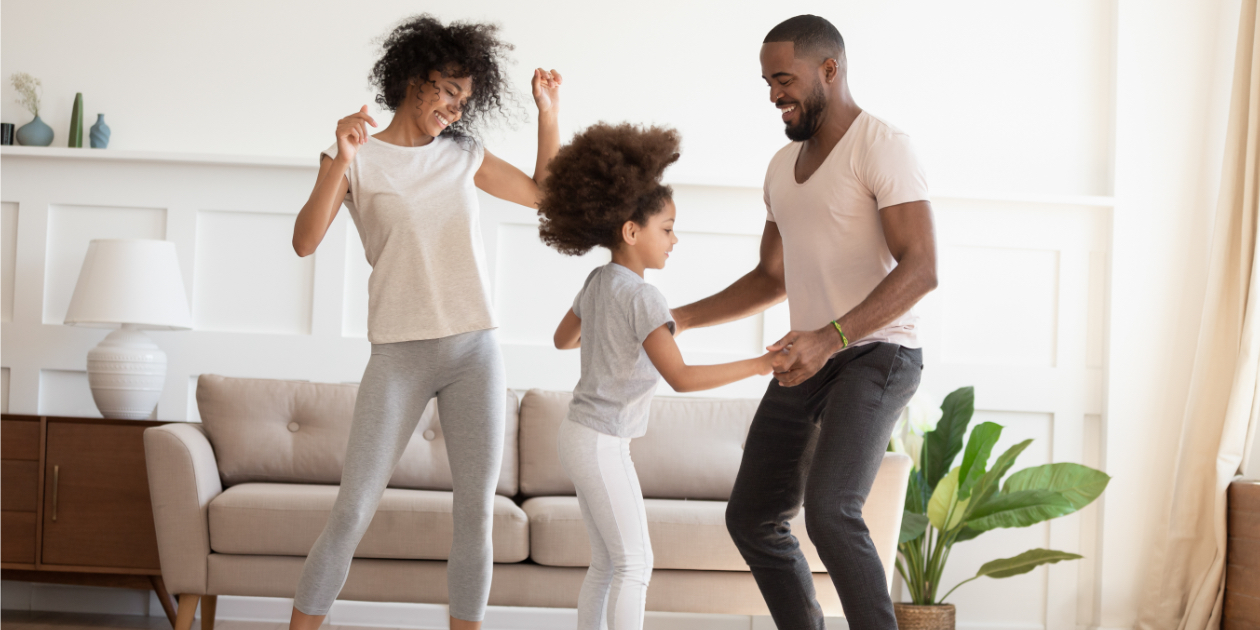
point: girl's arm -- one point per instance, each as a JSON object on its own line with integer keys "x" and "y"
{"x": 569, "y": 333}
{"x": 331, "y": 184}
{"x": 507, "y": 182}
{"x": 663, "y": 351}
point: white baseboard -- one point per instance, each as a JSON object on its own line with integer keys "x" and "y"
{"x": 89, "y": 599}
{"x": 114, "y": 601}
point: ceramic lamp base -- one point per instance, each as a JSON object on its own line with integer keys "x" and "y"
{"x": 126, "y": 373}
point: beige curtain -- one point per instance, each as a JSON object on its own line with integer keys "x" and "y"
{"x": 1223, "y": 392}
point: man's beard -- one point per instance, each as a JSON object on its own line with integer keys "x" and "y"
{"x": 811, "y": 115}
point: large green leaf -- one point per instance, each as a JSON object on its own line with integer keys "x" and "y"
{"x": 1023, "y": 563}
{"x": 916, "y": 496}
{"x": 976, "y": 457}
{"x": 912, "y": 527}
{"x": 945, "y": 511}
{"x": 1079, "y": 484}
{"x": 943, "y": 444}
{"x": 987, "y": 485}
{"x": 1018, "y": 509}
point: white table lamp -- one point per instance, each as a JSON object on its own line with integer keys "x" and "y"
{"x": 134, "y": 285}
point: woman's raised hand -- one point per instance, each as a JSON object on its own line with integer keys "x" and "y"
{"x": 352, "y": 133}
{"x": 546, "y": 85}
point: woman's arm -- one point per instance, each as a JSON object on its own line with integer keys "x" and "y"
{"x": 569, "y": 333}
{"x": 502, "y": 180}
{"x": 331, "y": 184}
{"x": 663, "y": 351}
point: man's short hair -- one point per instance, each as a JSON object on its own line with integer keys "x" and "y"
{"x": 810, "y": 35}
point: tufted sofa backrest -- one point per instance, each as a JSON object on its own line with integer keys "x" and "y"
{"x": 296, "y": 432}
{"x": 692, "y": 448}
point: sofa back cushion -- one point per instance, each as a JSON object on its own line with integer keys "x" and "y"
{"x": 296, "y": 432}
{"x": 692, "y": 448}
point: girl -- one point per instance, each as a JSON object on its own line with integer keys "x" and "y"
{"x": 605, "y": 190}
{"x": 410, "y": 191}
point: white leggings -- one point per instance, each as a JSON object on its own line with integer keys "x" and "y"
{"x": 612, "y": 505}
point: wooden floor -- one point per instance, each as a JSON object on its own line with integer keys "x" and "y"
{"x": 24, "y": 620}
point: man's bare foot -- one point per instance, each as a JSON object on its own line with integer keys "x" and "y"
{"x": 460, "y": 624}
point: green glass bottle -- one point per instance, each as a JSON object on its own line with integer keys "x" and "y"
{"x": 76, "y": 122}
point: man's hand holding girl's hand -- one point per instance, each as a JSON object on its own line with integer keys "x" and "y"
{"x": 546, "y": 86}
{"x": 352, "y": 133}
{"x": 799, "y": 355}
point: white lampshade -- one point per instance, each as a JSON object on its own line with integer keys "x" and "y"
{"x": 130, "y": 281}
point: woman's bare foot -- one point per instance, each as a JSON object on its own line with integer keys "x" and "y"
{"x": 303, "y": 621}
{"x": 459, "y": 624}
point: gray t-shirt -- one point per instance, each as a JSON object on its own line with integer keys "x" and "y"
{"x": 618, "y": 311}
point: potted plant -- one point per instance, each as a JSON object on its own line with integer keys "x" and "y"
{"x": 947, "y": 504}
{"x": 36, "y": 133}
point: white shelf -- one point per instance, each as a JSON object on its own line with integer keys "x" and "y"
{"x": 63, "y": 153}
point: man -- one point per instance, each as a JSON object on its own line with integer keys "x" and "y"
{"x": 849, "y": 239}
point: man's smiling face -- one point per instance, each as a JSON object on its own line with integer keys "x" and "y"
{"x": 795, "y": 88}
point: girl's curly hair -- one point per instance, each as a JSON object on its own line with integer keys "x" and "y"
{"x": 607, "y": 175}
{"x": 421, "y": 44}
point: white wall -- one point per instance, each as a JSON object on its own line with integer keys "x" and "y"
{"x": 1072, "y": 146}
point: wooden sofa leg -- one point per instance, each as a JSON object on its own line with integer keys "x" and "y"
{"x": 187, "y": 610}
{"x": 159, "y": 587}
{"x": 207, "y": 611}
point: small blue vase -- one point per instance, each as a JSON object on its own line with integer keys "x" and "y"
{"x": 100, "y": 133}
{"x": 35, "y": 134}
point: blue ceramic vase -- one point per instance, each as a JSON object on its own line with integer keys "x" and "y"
{"x": 100, "y": 133}
{"x": 35, "y": 134}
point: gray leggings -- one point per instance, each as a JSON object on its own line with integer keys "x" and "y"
{"x": 465, "y": 372}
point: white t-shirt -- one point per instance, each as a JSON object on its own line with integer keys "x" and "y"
{"x": 834, "y": 252}
{"x": 416, "y": 211}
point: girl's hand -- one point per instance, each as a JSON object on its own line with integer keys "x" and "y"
{"x": 765, "y": 363}
{"x": 546, "y": 85}
{"x": 352, "y": 133}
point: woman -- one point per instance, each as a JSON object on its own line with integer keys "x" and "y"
{"x": 410, "y": 191}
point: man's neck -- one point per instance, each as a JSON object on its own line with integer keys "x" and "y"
{"x": 842, "y": 110}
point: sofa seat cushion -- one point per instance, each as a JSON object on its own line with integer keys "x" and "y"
{"x": 684, "y": 534}
{"x": 285, "y": 519}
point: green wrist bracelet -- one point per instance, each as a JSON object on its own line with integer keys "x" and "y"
{"x": 844, "y": 341}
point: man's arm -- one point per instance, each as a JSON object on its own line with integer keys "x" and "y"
{"x": 755, "y": 292}
{"x": 911, "y": 237}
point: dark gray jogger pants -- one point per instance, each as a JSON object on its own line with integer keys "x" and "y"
{"x": 821, "y": 444}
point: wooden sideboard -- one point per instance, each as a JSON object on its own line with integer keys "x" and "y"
{"x": 74, "y": 504}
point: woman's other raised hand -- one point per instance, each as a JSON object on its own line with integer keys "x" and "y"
{"x": 546, "y": 86}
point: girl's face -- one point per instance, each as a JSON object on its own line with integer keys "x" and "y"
{"x": 439, "y": 102}
{"x": 654, "y": 241}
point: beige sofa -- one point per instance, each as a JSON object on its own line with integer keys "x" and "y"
{"x": 239, "y": 499}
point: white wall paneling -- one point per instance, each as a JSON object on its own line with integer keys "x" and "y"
{"x": 248, "y": 278}
{"x": 65, "y": 393}
{"x": 8, "y": 257}
{"x": 4, "y": 390}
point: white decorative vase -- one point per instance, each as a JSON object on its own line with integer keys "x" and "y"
{"x": 126, "y": 373}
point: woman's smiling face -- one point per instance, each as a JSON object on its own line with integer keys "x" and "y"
{"x": 439, "y": 101}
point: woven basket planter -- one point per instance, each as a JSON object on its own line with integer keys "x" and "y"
{"x": 912, "y": 617}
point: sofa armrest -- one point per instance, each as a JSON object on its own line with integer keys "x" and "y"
{"x": 183, "y": 479}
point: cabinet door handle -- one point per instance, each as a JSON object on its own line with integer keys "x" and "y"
{"x": 56, "y": 476}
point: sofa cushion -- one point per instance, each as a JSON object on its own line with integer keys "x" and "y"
{"x": 692, "y": 448}
{"x": 285, "y": 519}
{"x": 296, "y": 432}
{"x": 684, "y": 535}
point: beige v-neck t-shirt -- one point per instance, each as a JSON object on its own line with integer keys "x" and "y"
{"x": 417, "y": 214}
{"x": 834, "y": 252}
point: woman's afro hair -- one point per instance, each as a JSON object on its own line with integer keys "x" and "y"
{"x": 607, "y": 175}
{"x": 421, "y": 44}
